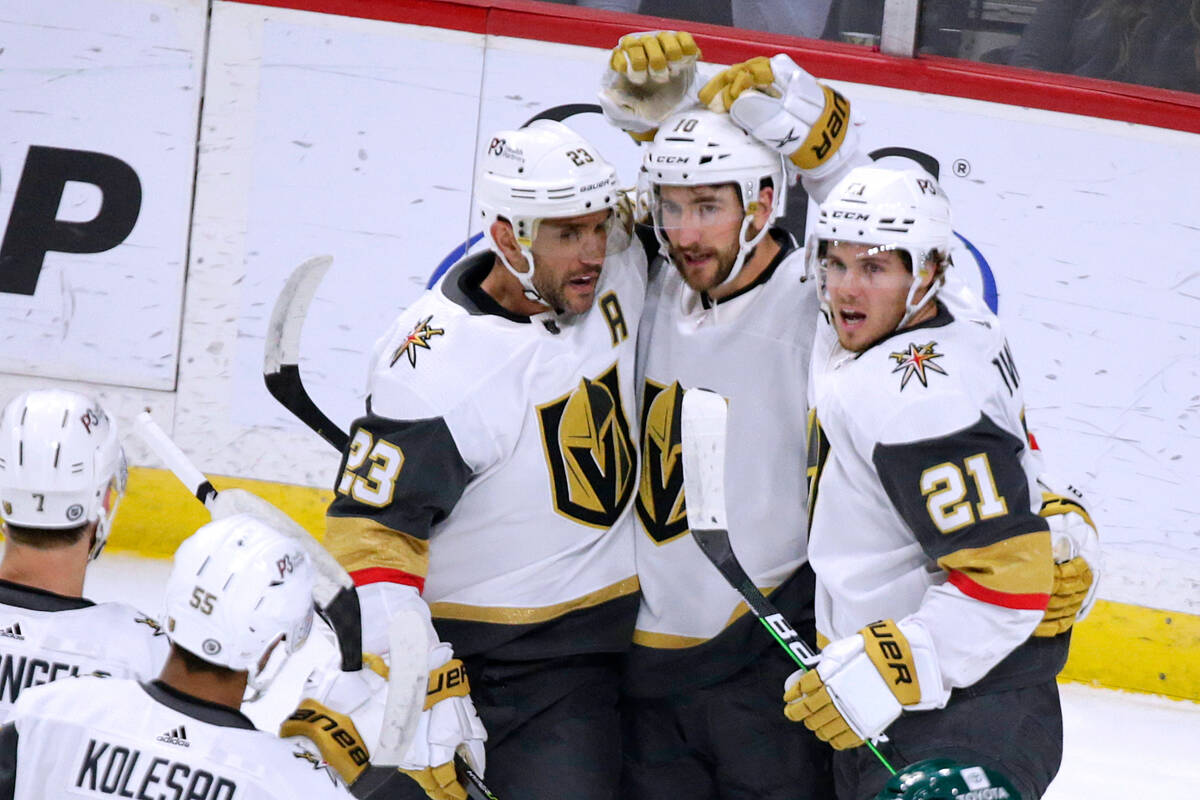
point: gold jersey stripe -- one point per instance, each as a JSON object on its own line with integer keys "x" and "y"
{"x": 1018, "y": 565}
{"x": 674, "y": 641}
{"x": 526, "y": 616}
{"x": 358, "y": 543}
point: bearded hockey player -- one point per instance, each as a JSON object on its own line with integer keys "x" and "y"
{"x": 489, "y": 484}
{"x": 62, "y": 473}
{"x": 933, "y": 566}
{"x": 238, "y": 603}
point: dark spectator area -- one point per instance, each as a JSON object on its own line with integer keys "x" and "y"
{"x": 1146, "y": 42}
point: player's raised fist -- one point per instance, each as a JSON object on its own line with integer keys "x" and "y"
{"x": 649, "y": 76}
{"x": 728, "y": 84}
{"x": 655, "y": 56}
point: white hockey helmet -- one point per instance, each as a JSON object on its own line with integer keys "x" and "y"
{"x": 240, "y": 591}
{"x": 702, "y": 148}
{"x": 61, "y": 463}
{"x": 891, "y": 209}
{"x": 542, "y": 171}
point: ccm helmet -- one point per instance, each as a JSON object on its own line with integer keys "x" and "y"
{"x": 891, "y": 209}
{"x": 61, "y": 464}
{"x": 544, "y": 170}
{"x": 943, "y": 779}
{"x": 240, "y": 591}
{"x": 702, "y": 148}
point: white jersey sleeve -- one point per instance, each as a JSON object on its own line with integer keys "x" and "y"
{"x": 107, "y": 738}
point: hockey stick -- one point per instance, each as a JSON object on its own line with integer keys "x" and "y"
{"x": 703, "y": 432}
{"x": 407, "y": 671}
{"x": 281, "y": 357}
{"x": 335, "y": 595}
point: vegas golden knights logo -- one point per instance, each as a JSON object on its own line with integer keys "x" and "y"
{"x": 660, "y": 503}
{"x": 818, "y": 451}
{"x": 590, "y": 451}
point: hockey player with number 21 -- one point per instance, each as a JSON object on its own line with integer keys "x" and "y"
{"x": 238, "y": 603}
{"x": 488, "y": 486}
{"x": 933, "y": 566}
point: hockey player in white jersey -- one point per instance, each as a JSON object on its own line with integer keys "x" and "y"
{"x": 933, "y": 566}
{"x": 489, "y": 483}
{"x": 238, "y": 603}
{"x": 728, "y": 308}
{"x": 62, "y": 473}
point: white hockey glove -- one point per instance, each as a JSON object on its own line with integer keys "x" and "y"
{"x": 862, "y": 683}
{"x": 649, "y": 76}
{"x": 1077, "y": 556}
{"x": 785, "y": 108}
{"x": 448, "y": 724}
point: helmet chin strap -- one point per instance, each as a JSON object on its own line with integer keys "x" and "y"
{"x": 524, "y": 278}
{"x": 745, "y": 248}
{"x": 910, "y": 309}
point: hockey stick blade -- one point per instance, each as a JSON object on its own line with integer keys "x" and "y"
{"x": 334, "y": 593}
{"x": 703, "y": 431}
{"x": 281, "y": 354}
{"x": 703, "y": 423}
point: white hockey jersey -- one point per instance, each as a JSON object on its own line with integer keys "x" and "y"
{"x": 46, "y": 636}
{"x": 106, "y": 738}
{"x": 752, "y": 347}
{"x": 922, "y": 500}
{"x": 496, "y": 465}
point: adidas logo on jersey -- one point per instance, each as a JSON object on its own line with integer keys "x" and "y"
{"x": 177, "y": 736}
{"x": 13, "y": 632}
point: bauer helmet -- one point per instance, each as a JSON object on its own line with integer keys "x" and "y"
{"x": 703, "y": 148}
{"x": 891, "y": 209}
{"x": 240, "y": 596}
{"x": 544, "y": 170}
{"x": 943, "y": 779}
{"x": 61, "y": 464}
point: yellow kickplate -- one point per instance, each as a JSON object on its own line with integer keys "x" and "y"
{"x": 157, "y": 513}
{"x": 1138, "y": 649}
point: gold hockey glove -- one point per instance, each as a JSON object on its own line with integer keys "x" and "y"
{"x": 649, "y": 76}
{"x": 1076, "y": 554}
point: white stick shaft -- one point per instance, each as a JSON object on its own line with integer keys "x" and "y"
{"x": 174, "y": 458}
{"x": 703, "y": 434}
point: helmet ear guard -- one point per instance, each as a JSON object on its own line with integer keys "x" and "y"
{"x": 542, "y": 171}
{"x": 61, "y": 463}
{"x": 702, "y": 148}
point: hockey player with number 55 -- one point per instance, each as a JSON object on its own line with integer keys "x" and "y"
{"x": 933, "y": 565}
{"x": 238, "y": 603}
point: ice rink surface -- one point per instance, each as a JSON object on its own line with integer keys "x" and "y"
{"x": 1117, "y": 744}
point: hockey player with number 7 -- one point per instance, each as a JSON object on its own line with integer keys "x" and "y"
{"x": 729, "y": 308}
{"x": 238, "y": 603}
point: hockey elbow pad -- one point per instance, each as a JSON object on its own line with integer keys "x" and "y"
{"x": 862, "y": 684}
